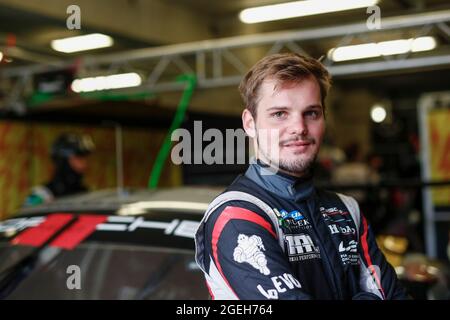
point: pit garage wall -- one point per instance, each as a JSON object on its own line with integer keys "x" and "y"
{"x": 25, "y": 161}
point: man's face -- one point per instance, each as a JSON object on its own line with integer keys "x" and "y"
{"x": 289, "y": 125}
{"x": 79, "y": 163}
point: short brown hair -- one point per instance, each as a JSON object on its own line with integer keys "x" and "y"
{"x": 285, "y": 68}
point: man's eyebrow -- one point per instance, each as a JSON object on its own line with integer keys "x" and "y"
{"x": 278, "y": 108}
{"x": 314, "y": 106}
{"x": 282, "y": 108}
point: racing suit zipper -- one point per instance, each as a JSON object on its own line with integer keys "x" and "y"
{"x": 329, "y": 269}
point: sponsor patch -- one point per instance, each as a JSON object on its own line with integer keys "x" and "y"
{"x": 349, "y": 252}
{"x": 250, "y": 250}
{"x": 301, "y": 247}
{"x": 281, "y": 284}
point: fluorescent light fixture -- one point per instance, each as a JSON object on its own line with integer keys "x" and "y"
{"x": 385, "y": 48}
{"x": 115, "y": 81}
{"x": 82, "y": 43}
{"x": 378, "y": 113}
{"x": 300, "y": 9}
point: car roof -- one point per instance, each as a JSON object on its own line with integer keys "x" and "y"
{"x": 131, "y": 201}
{"x": 164, "y": 218}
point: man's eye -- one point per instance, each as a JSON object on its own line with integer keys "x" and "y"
{"x": 312, "y": 113}
{"x": 278, "y": 114}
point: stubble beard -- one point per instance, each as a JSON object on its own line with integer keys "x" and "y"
{"x": 298, "y": 166}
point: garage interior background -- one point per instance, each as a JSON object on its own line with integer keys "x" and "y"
{"x": 162, "y": 39}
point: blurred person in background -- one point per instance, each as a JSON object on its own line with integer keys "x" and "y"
{"x": 329, "y": 158}
{"x": 70, "y": 158}
{"x": 355, "y": 171}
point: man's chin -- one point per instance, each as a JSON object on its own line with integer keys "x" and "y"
{"x": 293, "y": 156}
{"x": 295, "y": 169}
{"x": 296, "y": 163}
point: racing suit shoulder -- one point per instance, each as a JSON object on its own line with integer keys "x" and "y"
{"x": 244, "y": 252}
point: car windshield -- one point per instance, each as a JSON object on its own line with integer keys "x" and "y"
{"x": 107, "y": 271}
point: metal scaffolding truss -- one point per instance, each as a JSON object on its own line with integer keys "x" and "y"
{"x": 220, "y": 62}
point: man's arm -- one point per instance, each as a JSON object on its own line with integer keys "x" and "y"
{"x": 244, "y": 251}
{"x": 377, "y": 275}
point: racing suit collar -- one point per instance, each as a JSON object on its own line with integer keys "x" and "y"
{"x": 282, "y": 184}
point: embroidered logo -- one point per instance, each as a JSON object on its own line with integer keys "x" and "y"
{"x": 301, "y": 247}
{"x": 249, "y": 250}
{"x": 349, "y": 252}
{"x": 352, "y": 246}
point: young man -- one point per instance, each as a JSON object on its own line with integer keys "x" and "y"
{"x": 272, "y": 234}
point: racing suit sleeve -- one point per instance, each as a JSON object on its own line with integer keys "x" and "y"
{"x": 377, "y": 275}
{"x": 244, "y": 249}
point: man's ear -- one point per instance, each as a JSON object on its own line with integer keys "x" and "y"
{"x": 248, "y": 123}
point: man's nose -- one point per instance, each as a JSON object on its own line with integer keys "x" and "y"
{"x": 298, "y": 126}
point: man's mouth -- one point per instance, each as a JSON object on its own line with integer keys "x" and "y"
{"x": 297, "y": 143}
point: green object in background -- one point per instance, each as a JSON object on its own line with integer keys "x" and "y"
{"x": 40, "y": 98}
{"x": 33, "y": 200}
{"x": 111, "y": 96}
{"x": 163, "y": 153}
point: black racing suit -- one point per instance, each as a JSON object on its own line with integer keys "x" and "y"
{"x": 273, "y": 236}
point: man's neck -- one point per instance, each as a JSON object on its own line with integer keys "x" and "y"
{"x": 276, "y": 169}
{"x": 280, "y": 183}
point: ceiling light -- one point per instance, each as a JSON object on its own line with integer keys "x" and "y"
{"x": 378, "y": 113}
{"x": 115, "y": 81}
{"x": 82, "y": 43}
{"x": 385, "y": 48}
{"x": 300, "y": 9}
